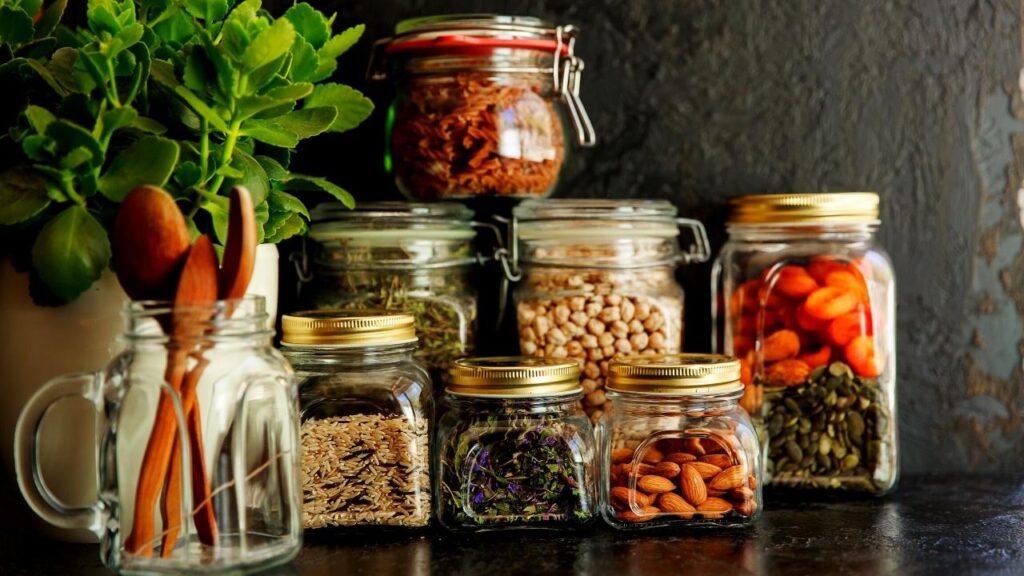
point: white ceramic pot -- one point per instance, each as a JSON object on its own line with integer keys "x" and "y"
{"x": 38, "y": 343}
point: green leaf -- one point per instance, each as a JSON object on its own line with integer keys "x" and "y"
{"x": 71, "y": 252}
{"x": 37, "y": 147}
{"x": 217, "y": 208}
{"x": 251, "y": 175}
{"x": 150, "y": 160}
{"x": 353, "y": 108}
{"x": 75, "y": 158}
{"x": 118, "y": 118}
{"x": 51, "y": 17}
{"x": 309, "y": 23}
{"x": 304, "y": 61}
{"x": 148, "y": 125}
{"x": 69, "y": 136}
{"x": 16, "y": 26}
{"x": 187, "y": 174}
{"x": 292, "y": 225}
{"x": 270, "y": 134}
{"x": 250, "y": 106}
{"x": 22, "y": 195}
{"x": 340, "y": 44}
{"x": 199, "y": 107}
{"x": 208, "y": 10}
{"x": 262, "y": 212}
{"x": 62, "y": 69}
{"x": 265, "y": 74}
{"x": 269, "y": 45}
{"x": 177, "y": 29}
{"x": 302, "y": 123}
{"x": 304, "y": 182}
{"x": 39, "y": 118}
{"x": 284, "y": 202}
{"x": 272, "y": 167}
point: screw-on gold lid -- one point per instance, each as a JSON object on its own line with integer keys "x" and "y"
{"x": 675, "y": 374}
{"x": 347, "y": 328}
{"x": 514, "y": 376}
{"x": 834, "y": 207}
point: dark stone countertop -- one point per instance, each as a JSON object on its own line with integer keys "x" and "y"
{"x": 929, "y": 526}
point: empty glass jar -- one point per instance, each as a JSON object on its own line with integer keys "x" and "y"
{"x": 481, "y": 105}
{"x": 198, "y": 441}
{"x": 414, "y": 258}
{"x": 599, "y": 281}
{"x": 513, "y": 448}
{"x": 365, "y": 408}
{"x": 806, "y": 299}
{"x": 675, "y": 447}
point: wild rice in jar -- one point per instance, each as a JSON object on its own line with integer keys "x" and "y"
{"x": 365, "y": 407}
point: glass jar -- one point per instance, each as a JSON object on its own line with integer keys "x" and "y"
{"x": 197, "y": 440}
{"x": 365, "y": 409}
{"x": 598, "y": 281}
{"x": 676, "y": 448}
{"x": 414, "y": 258}
{"x": 806, "y": 299}
{"x": 513, "y": 448}
{"x": 480, "y": 105}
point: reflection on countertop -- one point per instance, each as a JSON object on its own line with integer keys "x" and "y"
{"x": 930, "y": 525}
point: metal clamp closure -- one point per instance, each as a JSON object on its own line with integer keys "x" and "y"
{"x": 700, "y": 250}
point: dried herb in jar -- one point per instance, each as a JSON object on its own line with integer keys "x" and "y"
{"x": 830, "y": 432}
{"x": 505, "y": 474}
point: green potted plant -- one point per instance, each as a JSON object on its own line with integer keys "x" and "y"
{"x": 192, "y": 95}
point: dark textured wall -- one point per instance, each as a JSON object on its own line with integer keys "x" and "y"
{"x": 699, "y": 100}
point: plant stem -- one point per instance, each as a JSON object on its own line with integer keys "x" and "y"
{"x": 112, "y": 92}
{"x": 204, "y": 149}
{"x": 229, "y": 149}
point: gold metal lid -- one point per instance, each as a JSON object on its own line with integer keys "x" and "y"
{"x": 514, "y": 377}
{"x": 347, "y": 328}
{"x": 675, "y": 374}
{"x": 852, "y": 207}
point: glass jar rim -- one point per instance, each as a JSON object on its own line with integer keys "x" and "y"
{"x": 600, "y": 218}
{"x": 152, "y": 320}
{"x": 475, "y": 33}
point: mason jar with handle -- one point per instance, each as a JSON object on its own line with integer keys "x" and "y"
{"x": 197, "y": 443}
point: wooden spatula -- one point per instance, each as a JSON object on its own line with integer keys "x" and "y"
{"x": 196, "y": 292}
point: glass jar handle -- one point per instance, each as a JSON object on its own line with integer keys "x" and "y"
{"x": 700, "y": 250}
{"x": 26, "y": 457}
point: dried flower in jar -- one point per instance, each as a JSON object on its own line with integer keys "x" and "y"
{"x": 469, "y": 135}
{"x": 365, "y": 469}
{"x": 498, "y": 474}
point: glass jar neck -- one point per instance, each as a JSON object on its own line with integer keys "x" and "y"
{"x": 609, "y": 251}
{"x": 352, "y": 356}
{"x": 783, "y": 231}
{"x": 494, "y": 405}
{"x": 398, "y": 252}
{"x": 511, "y": 64}
{"x": 631, "y": 402}
{"x": 241, "y": 322}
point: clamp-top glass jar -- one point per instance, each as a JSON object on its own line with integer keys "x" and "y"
{"x": 480, "y": 105}
{"x": 676, "y": 448}
{"x": 365, "y": 407}
{"x": 806, "y": 299}
{"x": 415, "y": 258}
{"x": 598, "y": 281}
{"x": 513, "y": 447}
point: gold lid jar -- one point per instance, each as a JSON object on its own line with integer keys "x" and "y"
{"x": 807, "y": 208}
{"x": 347, "y": 328}
{"x": 675, "y": 374}
{"x": 514, "y": 377}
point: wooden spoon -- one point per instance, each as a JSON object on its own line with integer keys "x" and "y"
{"x": 150, "y": 242}
{"x": 233, "y": 280}
{"x": 196, "y": 293}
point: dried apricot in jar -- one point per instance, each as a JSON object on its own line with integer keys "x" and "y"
{"x": 850, "y": 281}
{"x": 742, "y": 344}
{"x": 848, "y": 326}
{"x": 830, "y": 302}
{"x": 795, "y": 282}
{"x": 860, "y": 355}
{"x": 820, "y": 267}
{"x": 808, "y": 323}
{"x": 787, "y": 373}
{"x": 781, "y": 345}
{"x": 819, "y": 357}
